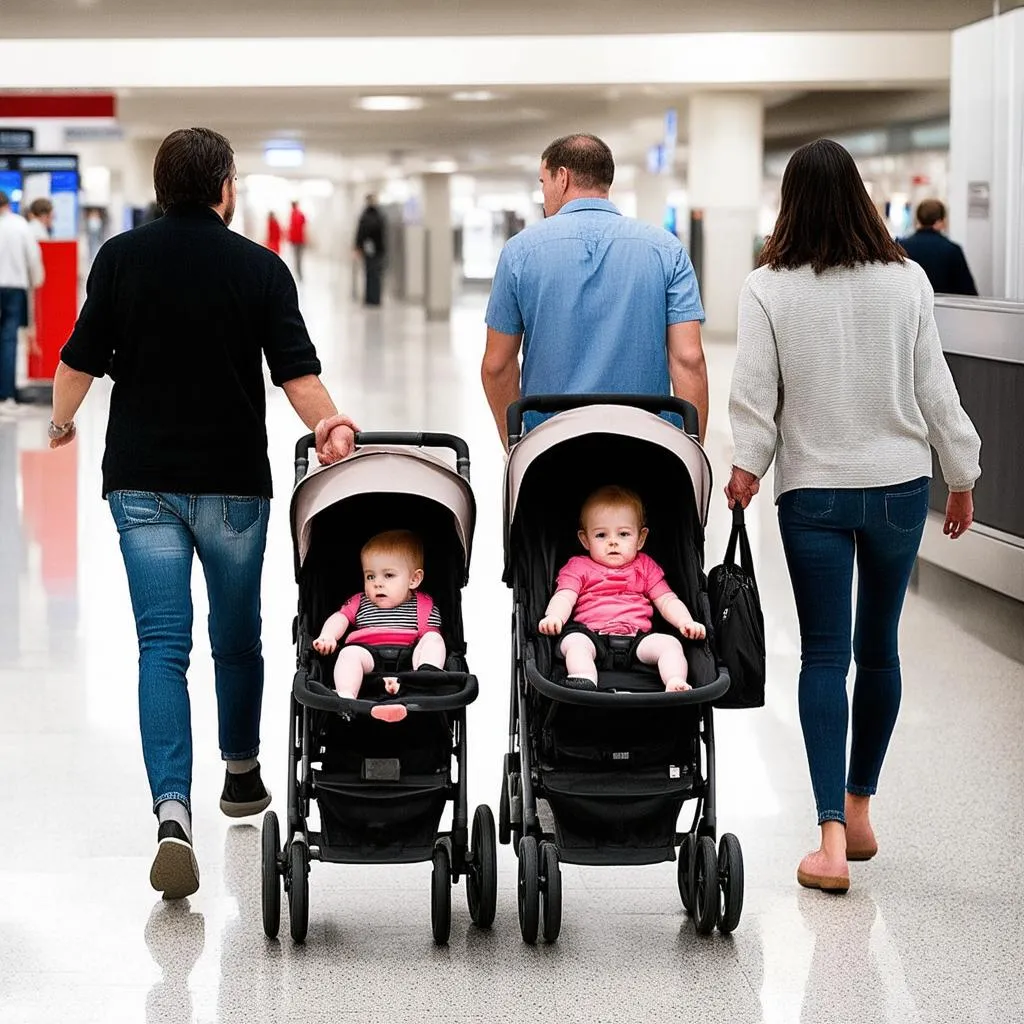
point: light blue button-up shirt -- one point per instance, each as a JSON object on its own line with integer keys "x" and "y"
{"x": 593, "y": 293}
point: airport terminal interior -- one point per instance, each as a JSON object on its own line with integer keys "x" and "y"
{"x": 441, "y": 112}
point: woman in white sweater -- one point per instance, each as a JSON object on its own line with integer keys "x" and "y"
{"x": 840, "y": 379}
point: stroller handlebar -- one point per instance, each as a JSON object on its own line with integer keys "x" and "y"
{"x": 560, "y": 403}
{"x": 313, "y": 694}
{"x": 411, "y": 439}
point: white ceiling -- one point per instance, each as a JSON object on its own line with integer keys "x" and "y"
{"x": 187, "y": 18}
{"x": 514, "y": 126}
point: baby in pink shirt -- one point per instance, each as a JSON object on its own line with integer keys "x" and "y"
{"x": 391, "y": 610}
{"x": 611, "y": 591}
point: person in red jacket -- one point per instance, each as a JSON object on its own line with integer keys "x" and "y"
{"x": 297, "y": 236}
{"x": 273, "y": 233}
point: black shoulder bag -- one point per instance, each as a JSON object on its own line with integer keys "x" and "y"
{"x": 737, "y": 624}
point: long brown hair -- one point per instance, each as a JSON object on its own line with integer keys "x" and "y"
{"x": 826, "y": 217}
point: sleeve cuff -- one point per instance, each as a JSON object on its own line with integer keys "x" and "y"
{"x": 306, "y": 368}
{"x": 505, "y": 328}
{"x": 685, "y": 316}
{"x": 76, "y": 361}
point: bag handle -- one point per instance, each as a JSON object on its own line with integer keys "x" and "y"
{"x": 739, "y": 534}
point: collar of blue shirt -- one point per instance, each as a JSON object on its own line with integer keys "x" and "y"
{"x": 590, "y": 204}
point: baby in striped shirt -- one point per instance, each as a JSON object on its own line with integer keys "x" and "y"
{"x": 391, "y": 610}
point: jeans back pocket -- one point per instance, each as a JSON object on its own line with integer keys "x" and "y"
{"x": 814, "y": 502}
{"x": 241, "y": 514}
{"x": 137, "y": 508}
{"x": 907, "y": 511}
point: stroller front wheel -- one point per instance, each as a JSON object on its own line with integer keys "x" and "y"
{"x": 298, "y": 890}
{"x": 684, "y": 871}
{"x": 730, "y": 872}
{"x": 529, "y": 889}
{"x": 482, "y": 877}
{"x": 552, "y": 890}
{"x": 441, "y": 895}
{"x": 705, "y": 885}
{"x": 271, "y": 875}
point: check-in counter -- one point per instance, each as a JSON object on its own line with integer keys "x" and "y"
{"x": 984, "y": 344}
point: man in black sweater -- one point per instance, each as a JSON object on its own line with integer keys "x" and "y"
{"x": 371, "y": 248}
{"x": 180, "y": 312}
{"x": 942, "y": 260}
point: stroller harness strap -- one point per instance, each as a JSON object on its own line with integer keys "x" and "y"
{"x": 398, "y": 637}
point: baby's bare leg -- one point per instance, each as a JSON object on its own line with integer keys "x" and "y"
{"x": 579, "y": 653}
{"x": 430, "y": 650}
{"x": 667, "y": 653}
{"x": 353, "y": 663}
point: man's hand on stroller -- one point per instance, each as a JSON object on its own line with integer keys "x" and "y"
{"x": 551, "y": 625}
{"x": 325, "y": 644}
{"x": 335, "y": 438}
{"x": 693, "y": 630}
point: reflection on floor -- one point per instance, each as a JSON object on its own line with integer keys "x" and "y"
{"x": 933, "y": 929}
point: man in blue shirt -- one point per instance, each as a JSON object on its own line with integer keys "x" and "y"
{"x": 942, "y": 261}
{"x": 597, "y": 301}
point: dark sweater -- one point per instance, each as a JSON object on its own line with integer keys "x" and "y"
{"x": 942, "y": 260}
{"x": 180, "y": 313}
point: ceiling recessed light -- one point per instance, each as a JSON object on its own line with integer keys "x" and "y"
{"x": 473, "y": 96}
{"x": 390, "y": 102}
{"x": 443, "y": 167}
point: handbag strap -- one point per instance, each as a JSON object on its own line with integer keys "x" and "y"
{"x": 739, "y": 534}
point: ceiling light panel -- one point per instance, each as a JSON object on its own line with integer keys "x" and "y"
{"x": 390, "y": 103}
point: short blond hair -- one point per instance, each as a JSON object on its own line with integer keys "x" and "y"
{"x": 613, "y": 496}
{"x": 404, "y": 543}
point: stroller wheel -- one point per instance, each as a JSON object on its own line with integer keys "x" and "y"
{"x": 529, "y": 889}
{"x": 705, "y": 885}
{"x": 271, "y": 875}
{"x": 482, "y": 877}
{"x": 552, "y": 890}
{"x": 298, "y": 890}
{"x": 684, "y": 869}
{"x": 730, "y": 874}
{"x": 441, "y": 895}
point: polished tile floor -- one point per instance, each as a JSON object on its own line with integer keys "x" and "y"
{"x": 932, "y": 930}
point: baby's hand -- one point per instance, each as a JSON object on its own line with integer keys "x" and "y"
{"x": 325, "y": 645}
{"x": 693, "y": 631}
{"x": 391, "y": 685}
{"x": 551, "y": 626}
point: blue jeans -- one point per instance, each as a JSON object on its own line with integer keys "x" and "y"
{"x": 13, "y": 314}
{"x": 159, "y": 533}
{"x": 823, "y": 532}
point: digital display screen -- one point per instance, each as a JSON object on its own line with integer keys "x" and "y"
{"x": 10, "y": 183}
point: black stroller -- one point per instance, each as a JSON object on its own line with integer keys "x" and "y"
{"x": 380, "y": 789}
{"x": 614, "y": 765}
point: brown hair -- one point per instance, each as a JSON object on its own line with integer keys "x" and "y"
{"x": 40, "y": 207}
{"x": 930, "y": 212}
{"x": 826, "y": 217}
{"x": 587, "y": 157}
{"x": 615, "y": 496}
{"x": 191, "y": 167}
{"x": 403, "y": 543}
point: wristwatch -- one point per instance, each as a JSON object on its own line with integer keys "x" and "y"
{"x": 56, "y": 430}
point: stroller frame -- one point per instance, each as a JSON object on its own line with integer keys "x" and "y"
{"x": 710, "y": 880}
{"x": 313, "y": 705}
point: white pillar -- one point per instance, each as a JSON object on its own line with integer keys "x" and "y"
{"x": 437, "y": 219}
{"x": 138, "y": 171}
{"x": 986, "y": 150}
{"x": 726, "y": 170}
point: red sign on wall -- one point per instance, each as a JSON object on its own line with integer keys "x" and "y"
{"x": 51, "y": 104}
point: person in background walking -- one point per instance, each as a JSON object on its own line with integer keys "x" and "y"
{"x": 841, "y": 381}
{"x": 598, "y": 302}
{"x": 40, "y": 218}
{"x": 942, "y": 260}
{"x": 371, "y": 248}
{"x": 273, "y": 233}
{"x": 185, "y": 471}
{"x": 297, "y": 236}
{"x": 21, "y": 273}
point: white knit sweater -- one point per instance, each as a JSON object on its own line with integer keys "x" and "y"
{"x": 840, "y": 378}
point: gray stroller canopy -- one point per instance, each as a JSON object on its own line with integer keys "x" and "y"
{"x": 382, "y": 469}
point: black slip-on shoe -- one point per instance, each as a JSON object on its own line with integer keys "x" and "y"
{"x": 175, "y": 871}
{"x": 244, "y": 794}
